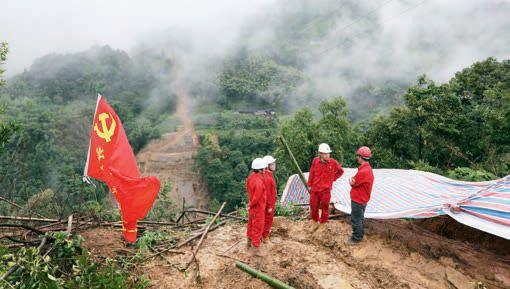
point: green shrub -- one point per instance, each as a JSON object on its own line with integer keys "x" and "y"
{"x": 284, "y": 211}
{"x": 471, "y": 175}
{"x": 65, "y": 265}
{"x": 426, "y": 167}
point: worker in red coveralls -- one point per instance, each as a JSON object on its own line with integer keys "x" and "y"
{"x": 270, "y": 183}
{"x": 361, "y": 188}
{"x": 257, "y": 204}
{"x": 323, "y": 172}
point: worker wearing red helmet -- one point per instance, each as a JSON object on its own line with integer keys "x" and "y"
{"x": 257, "y": 204}
{"x": 323, "y": 172}
{"x": 361, "y": 188}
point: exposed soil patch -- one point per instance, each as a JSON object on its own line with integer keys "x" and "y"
{"x": 451, "y": 229}
{"x": 394, "y": 255}
{"x": 104, "y": 242}
{"x": 171, "y": 157}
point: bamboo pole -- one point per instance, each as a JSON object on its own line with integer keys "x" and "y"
{"x": 203, "y": 236}
{"x": 296, "y": 165}
{"x": 15, "y": 218}
{"x": 275, "y": 283}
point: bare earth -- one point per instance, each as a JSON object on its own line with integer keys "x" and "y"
{"x": 394, "y": 255}
{"x": 170, "y": 158}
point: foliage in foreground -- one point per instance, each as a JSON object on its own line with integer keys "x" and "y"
{"x": 66, "y": 265}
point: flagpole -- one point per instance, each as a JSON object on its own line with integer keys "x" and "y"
{"x": 86, "y": 178}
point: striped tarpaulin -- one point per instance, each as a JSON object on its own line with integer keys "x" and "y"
{"x": 416, "y": 194}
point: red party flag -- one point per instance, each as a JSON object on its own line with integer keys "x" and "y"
{"x": 111, "y": 160}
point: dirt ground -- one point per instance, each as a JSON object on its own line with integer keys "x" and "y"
{"x": 395, "y": 254}
{"x": 435, "y": 253}
{"x": 170, "y": 157}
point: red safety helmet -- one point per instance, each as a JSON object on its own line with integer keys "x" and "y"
{"x": 364, "y": 152}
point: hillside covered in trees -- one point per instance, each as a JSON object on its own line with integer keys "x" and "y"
{"x": 49, "y": 109}
{"x": 424, "y": 94}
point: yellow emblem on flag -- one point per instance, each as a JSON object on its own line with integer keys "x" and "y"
{"x": 106, "y": 133}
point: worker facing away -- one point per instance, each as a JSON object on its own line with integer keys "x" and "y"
{"x": 323, "y": 172}
{"x": 257, "y": 204}
{"x": 361, "y": 188}
{"x": 270, "y": 184}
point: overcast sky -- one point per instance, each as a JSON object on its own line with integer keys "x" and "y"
{"x": 469, "y": 29}
{"x": 34, "y": 28}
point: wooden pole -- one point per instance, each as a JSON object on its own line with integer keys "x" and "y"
{"x": 69, "y": 224}
{"x": 296, "y": 165}
{"x": 203, "y": 236}
{"x": 275, "y": 283}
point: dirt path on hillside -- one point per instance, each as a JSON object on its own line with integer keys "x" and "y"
{"x": 393, "y": 255}
{"x": 170, "y": 157}
{"x": 322, "y": 260}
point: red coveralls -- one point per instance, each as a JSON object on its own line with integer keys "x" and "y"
{"x": 270, "y": 184}
{"x": 321, "y": 178}
{"x": 364, "y": 180}
{"x": 256, "y": 207}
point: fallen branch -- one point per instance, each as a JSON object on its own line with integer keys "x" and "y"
{"x": 229, "y": 257}
{"x": 37, "y": 231}
{"x": 60, "y": 222}
{"x": 180, "y": 216}
{"x": 184, "y": 242}
{"x": 230, "y": 248}
{"x": 21, "y": 241}
{"x": 212, "y": 214}
{"x": 16, "y": 266}
{"x": 20, "y": 207}
{"x": 203, "y": 236}
{"x": 157, "y": 223}
{"x": 166, "y": 259}
{"x": 269, "y": 280}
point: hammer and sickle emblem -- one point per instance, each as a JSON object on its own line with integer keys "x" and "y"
{"x": 106, "y": 132}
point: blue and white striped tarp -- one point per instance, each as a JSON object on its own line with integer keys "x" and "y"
{"x": 416, "y": 194}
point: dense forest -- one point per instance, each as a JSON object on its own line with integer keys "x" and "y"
{"x": 454, "y": 128}
{"x": 457, "y": 129}
{"x": 47, "y": 112}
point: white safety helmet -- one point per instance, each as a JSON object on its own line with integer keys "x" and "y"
{"x": 324, "y": 148}
{"x": 269, "y": 160}
{"x": 258, "y": 164}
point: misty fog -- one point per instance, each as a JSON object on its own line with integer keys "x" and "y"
{"x": 338, "y": 46}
